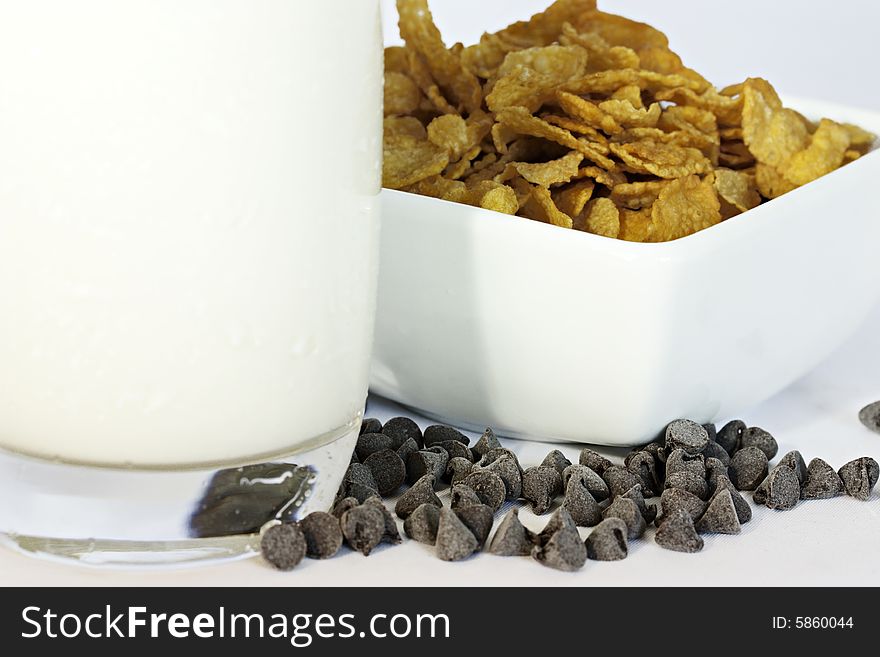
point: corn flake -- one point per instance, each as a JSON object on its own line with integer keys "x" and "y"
{"x": 685, "y": 206}
{"x": 634, "y": 225}
{"x": 540, "y": 206}
{"x": 737, "y": 188}
{"x": 629, "y": 116}
{"x": 603, "y": 218}
{"x": 402, "y": 95}
{"x": 638, "y": 195}
{"x": 772, "y": 133}
{"x": 404, "y": 125}
{"x": 661, "y": 160}
{"x": 408, "y": 160}
{"x": 544, "y": 28}
{"x": 484, "y": 58}
{"x": 529, "y": 78}
{"x": 826, "y": 151}
{"x": 588, "y": 112}
{"x": 548, "y": 173}
{"x": 493, "y": 196}
{"x": 587, "y": 120}
{"x": 418, "y": 30}
{"x": 771, "y": 184}
{"x": 608, "y": 178}
{"x": 572, "y": 199}
{"x": 450, "y": 133}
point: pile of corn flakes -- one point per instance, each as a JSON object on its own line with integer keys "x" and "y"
{"x": 587, "y": 120}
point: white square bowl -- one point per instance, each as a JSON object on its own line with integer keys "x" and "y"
{"x": 549, "y": 334}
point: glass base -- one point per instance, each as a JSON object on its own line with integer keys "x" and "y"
{"x": 128, "y": 517}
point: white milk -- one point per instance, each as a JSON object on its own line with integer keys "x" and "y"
{"x": 187, "y": 225}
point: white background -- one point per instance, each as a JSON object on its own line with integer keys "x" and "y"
{"x": 807, "y": 48}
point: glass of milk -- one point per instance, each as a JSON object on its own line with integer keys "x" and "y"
{"x": 188, "y": 258}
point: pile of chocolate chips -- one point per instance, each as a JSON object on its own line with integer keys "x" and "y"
{"x": 688, "y": 483}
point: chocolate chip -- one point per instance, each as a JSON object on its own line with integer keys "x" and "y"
{"x": 757, "y": 437}
{"x": 644, "y": 466}
{"x": 689, "y": 481}
{"x": 363, "y": 528}
{"x": 677, "y": 533}
{"x": 322, "y": 533}
{"x": 488, "y": 486}
{"x": 619, "y": 480}
{"x": 627, "y": 510}
{"x": 283, "y": 546}
{"x": 674, "y": 499}
{"x": 421, "y": 492}
{"x": 743, "y": 508}
{"x": 432, "y": 461}
{"x": 659, "y": 453}
{"x": 730, "y": 435}
{"x": 463, "y": 496}
{"x": 565, "y": 551}
{"x": 631, "y": 455}
{"x": 437, "y": 434}
{"x": 608, "y": 542}
{"x": 358, "y": 482}
{"x": 487, "y": 442}
{"x": 720, "y": 516}
{"x": 715, "y": 468}
{"x": 649, "y": 513}
{"x": 560, "y": 545}
{"x": 783, "y": 490}
{"x": 370, "y": 443}
{"x": 388, "y": 470}
{"x": 540, "y": 486}
{"x": 870, "y": 416}
{"x": 716, "y": 451}
{"x": 344, "y": 505}
{"x": 556, "y": 460}
{"x": 595, "y": 461}
{"x": 680, "y": 461}
{"x": 506, "y": 467}
{"x": 580, "y": 503}
{"x": 440, "y": 467}
{"x": 360, "y": 473}
{"x": 456, "y": 449}
{"x": 561, "y": 519}
{"x": 822, "y": 482}
{"x": 859, "y": 477}
{"x": 408, "y": 447}
{"x": 512, "y": 539}
{"x": 796, "y": 462}
{"x": 370, "y": 425}
{"x": 422, "y": 524}
{"x": 711, "y": 431}
{"x": 497, "y": 454}
{"x": 748, "y": 468}
{"x": 479, "y": 519}
{"x": 457, "y": 469}
{"x": 454, "y": 540}
{"x": 686, "y": 435}
{"x": 595, "y": 484}
{"x": 391, "y": 533}
{"x": 760, "y": 494}
{"x": 401, "y": 429}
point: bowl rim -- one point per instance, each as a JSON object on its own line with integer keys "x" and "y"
{"x": 707, "y": 237}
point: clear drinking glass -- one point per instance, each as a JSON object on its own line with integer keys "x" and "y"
{"x": 188, "y": 257}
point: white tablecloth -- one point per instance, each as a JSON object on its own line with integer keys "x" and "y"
{"x": 832, "y": 542}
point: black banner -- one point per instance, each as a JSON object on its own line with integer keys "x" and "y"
{"x": 434, "y": 621}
